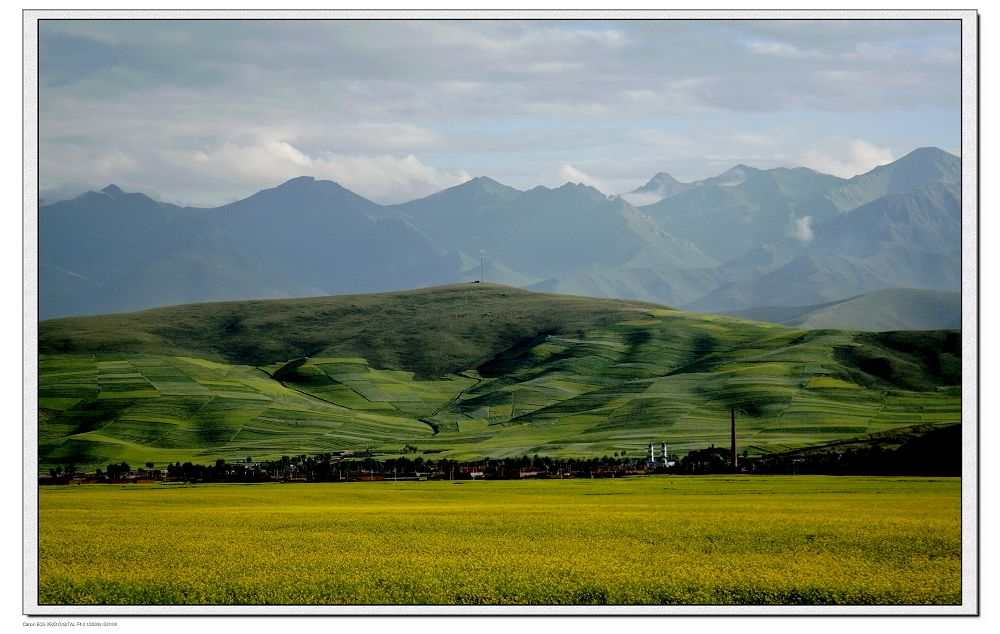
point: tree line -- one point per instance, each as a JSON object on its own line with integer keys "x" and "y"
{"x": 935, "y": 453}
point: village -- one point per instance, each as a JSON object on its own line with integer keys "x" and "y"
{"x": 347, "y": 466}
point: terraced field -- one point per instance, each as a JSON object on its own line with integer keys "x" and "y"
{"x": 164, "y": 409}
{"x": 520, "y": 373}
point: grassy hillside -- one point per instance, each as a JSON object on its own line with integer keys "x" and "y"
{"x": 430, "y": 332}
{"x": 468, "y": 371}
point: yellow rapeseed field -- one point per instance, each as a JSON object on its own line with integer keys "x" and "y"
{"x": 653, "y": 540}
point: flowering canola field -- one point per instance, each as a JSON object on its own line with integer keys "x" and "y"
{"x": 653, "y": 540}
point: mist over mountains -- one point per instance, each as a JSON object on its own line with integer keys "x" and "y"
{"x": 744, "y": 239}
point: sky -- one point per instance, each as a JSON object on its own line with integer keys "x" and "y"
{"x": 204, "y": 112}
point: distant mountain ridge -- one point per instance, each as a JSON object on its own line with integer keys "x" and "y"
{"x": 661, "y": 186}
{"x": 748, "y": 237}
{"x": 726, "y": 219}
{"x": 901, "y": 240}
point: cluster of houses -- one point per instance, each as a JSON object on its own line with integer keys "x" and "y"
{"x": 344, "y": 467}
{"x": 480, "y": 472}
{"x": 139, "y": 476}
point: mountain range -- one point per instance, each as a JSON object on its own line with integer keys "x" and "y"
{"x": 745, "y": 239}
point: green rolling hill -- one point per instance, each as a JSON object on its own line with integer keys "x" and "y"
{"x": 468, "y": 371}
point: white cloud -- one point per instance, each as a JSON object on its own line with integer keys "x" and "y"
{"x": 876, "y": 53}
{"x": 384, "y": 178}
{"x": 640, "y": 200}
{"x": 467, "y": 48}
{"x": 74, "y": 163}
{"x": 372, "y": 137}
{"x": 663, "y": 141}
{"x": 783, "y": 50}
{"x": 801, "y": 229}
{"x": 942, "y": 56}
{"x": 845, "y": 158}
{"x": 549, "y": 68}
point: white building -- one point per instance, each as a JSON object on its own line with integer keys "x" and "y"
{"x": 663, "y": 460}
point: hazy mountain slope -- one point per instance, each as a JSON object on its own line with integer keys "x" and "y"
{"x": 817, "y": 279}
{"x": 208, "y": 264}
{"x": 879, "y": 311}
{"x": 906, "y": 240}
{"x": 464, "y": 217}
{"x": 546, "y": 232}
{"x": 96, "y": 234}
{"x": 914, "y": 170}
{"x": 333, "y": 240}
{"x": 726, "y": 221}
{"x": 575, "y": 227}
{"x": 672, "y": 287}
{"x": 764, "y": 203}
{"x": 62, "y": 292}
{"x": 661, "y": 186}
{"x": 892, "y": 309}
{"x": 928, "y": 219}
{"x": 111, "y": 251}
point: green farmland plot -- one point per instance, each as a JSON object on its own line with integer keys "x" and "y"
{"x": 201, "y": 412}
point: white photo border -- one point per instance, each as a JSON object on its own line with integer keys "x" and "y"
{"x": 970, "y": 316}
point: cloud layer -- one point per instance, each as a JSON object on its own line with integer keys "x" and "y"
{"x": 207, "y": 111}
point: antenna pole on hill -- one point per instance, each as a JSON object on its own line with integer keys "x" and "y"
{"x": 732, "y": 415}
{"x": 482, "y": 261}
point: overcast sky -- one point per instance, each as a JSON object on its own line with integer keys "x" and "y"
{"x": 207, "y": 112}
